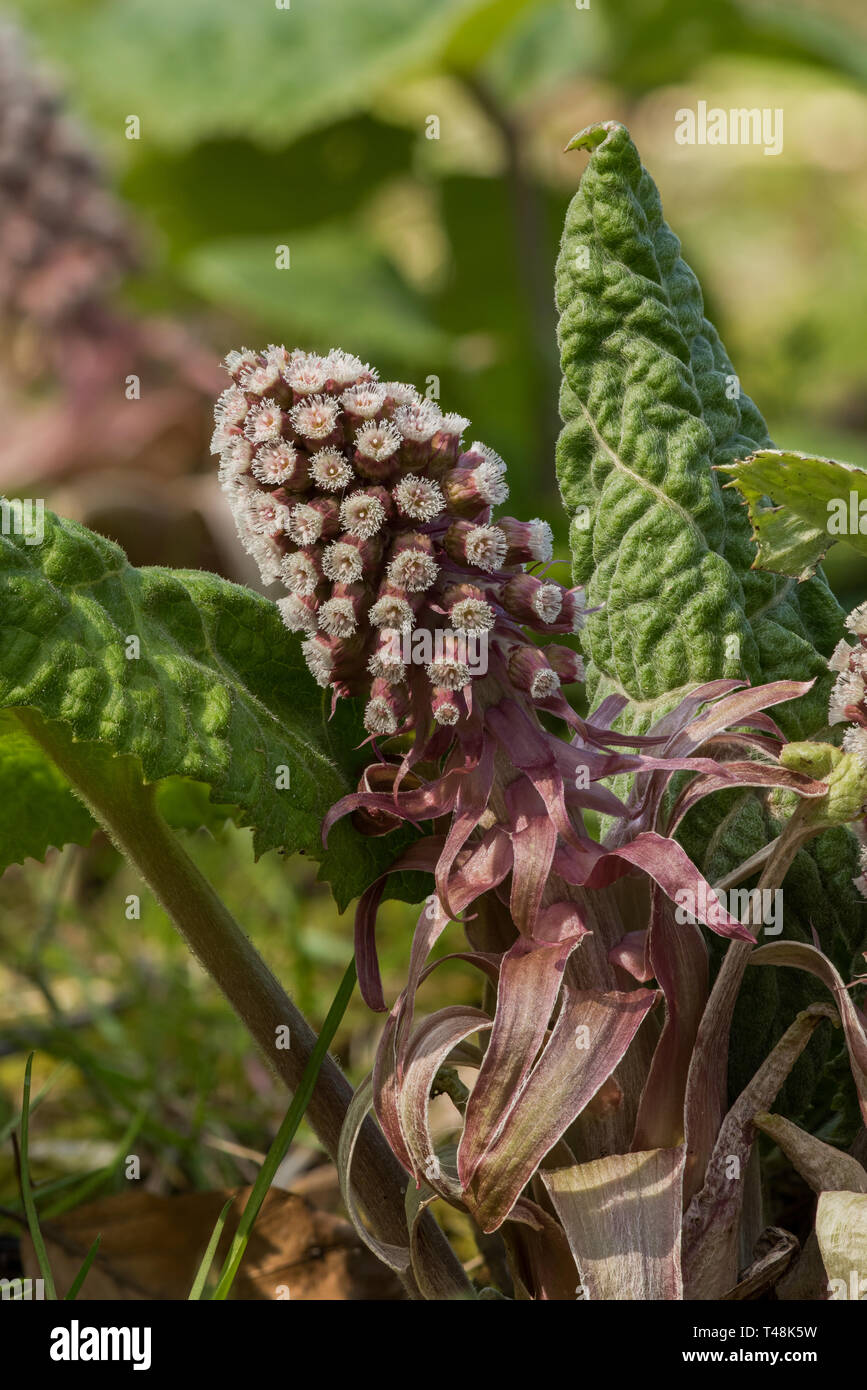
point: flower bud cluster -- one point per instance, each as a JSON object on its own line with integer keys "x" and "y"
{"x": 361, "y": 499}
{"x": 63, "y": 239}
{"x": 848, "y": 702}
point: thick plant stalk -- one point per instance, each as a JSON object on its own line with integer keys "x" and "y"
{"x": 125, "y": 808}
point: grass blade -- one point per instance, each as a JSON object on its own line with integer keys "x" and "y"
{"x": 208, "y": 1257}
{"x": 6, "y": 1130}
{"x": 286, "y": 1133}
{"x": 27, "y": 1190}
{"x": 80, "y": 1277}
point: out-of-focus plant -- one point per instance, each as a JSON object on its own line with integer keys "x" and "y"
{"x": 89, "y": 388}
{"x": 598, "y": 1137}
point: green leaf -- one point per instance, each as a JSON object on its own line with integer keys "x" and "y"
{"x": 183, "y": 192}
{"x": 652, "y": 46}
{"x": 651, "y": 404}
{"x": 37, "y": 807}
{"x": 337, "y": 288}
{"x": 483, "y": 25}
{"x": 39, "y": 810}
{"x": 214, "y": 68}
{"x": 187, "y": 805}
{"x": 219, "y": 694}
{"x": 815, "y": 501}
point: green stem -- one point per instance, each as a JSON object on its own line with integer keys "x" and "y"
{"x": 126, "y": 808}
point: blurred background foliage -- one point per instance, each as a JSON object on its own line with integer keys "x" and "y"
{"x": 409, "y": 153}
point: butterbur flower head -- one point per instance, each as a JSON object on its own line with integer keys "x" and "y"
{"x": 567, "y": 664}
{"x": 364, "y": 401}
{"x": 534, "y": 603}
{"x": 386, "y": 662}
{"x": 848, "y": 700}
{"x": 412, "y": 570}
{"x": 266, "y": 552}
{"x": 235, "y": 450}
{"x": 446, "y": 710}
{"x": 337, "y": 479}
{"x": 449, "y": 674}
{"x": 239, "y": 362}
{"x": 232, "y": 407}
{"x": 841, "y": 656}
{"x": 856, "y": 621}
{"x": 315, "y": 417}
{"x": 472, "y": 614}
{"x": 299, "y": 614}
{"x": 343, "y": 369}
{"x": 278, "y": 463}
{"x": 399, "y": 393}
{"x": 320, "y": 660}
{"x": 312, "y": 521}
{"x": 528, "y": 542}
{"x": 267, "y": 515}
{"x": 277, "y": 357}
{"x": 418, "y": 499}
{"x": 454, "y": 425}
{"x": 264, "y": 422}
{"x": 342, "y": 562}
{"x": 233, "y": 467}
{"x": 375, "y": 447}
{"x": 330, "y": 471}
{"x": 385, "y": 709}
{"x": 418, "y": 422}
{"x": 338, "y": 616}
{"x": 855, "y": 742}
{"x": 362, "y": 514}
{"x": 846, "y": 696}
{"x": 305, "y": 374}
{"x": 531, "y": 671}
{"x": 300, "y": 572}
{"x": 262, "y": 379}
{"x": 481, "y": 547}
{"x": 392, "y": 611}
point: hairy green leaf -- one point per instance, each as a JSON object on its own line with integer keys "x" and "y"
{"x": 799, "y": 505}
{"x": 218, "y": 693}
{"x": 651, "y": 405}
